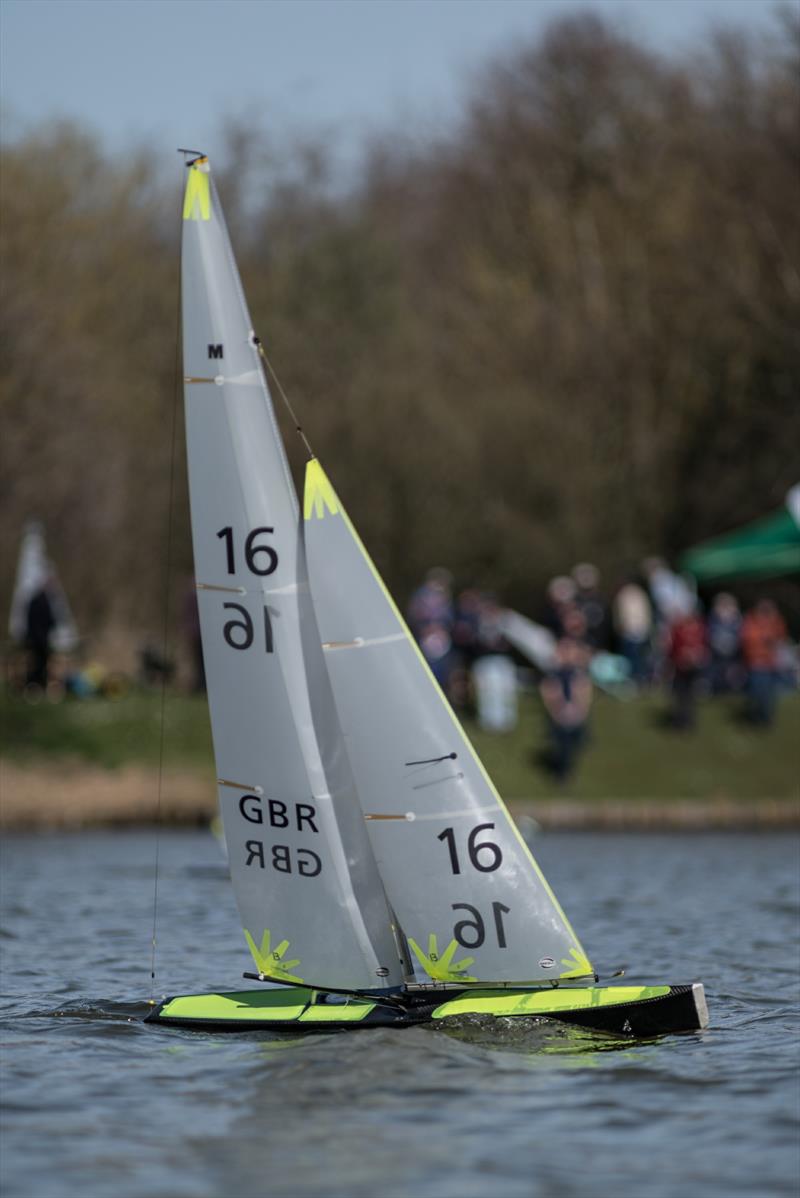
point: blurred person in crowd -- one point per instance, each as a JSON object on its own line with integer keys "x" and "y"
{"x": 191, "y": 629}
{"x": 724, "y": 632}
{"x": 466, "y": 621}
{"x": 688, "y": 657}
{"x": 763, "y": 634}
{"x": 40, "y": 620}
{"x": 633, "y": 625}
{"x": 561, "y": 593}
{"x": 671, "y": 599}
{"x": 670, "y": 593}
{"x": 566, "y": 693}
{"x": 576, "y": 626}
{"x": 436, "y": 644}
{"x": 494, "y": 673}
{"x": 154, "y": 668}
{"x": 431, "y": 618}
{"x": 591, "y": 603}
{"x": 788, "y": 666}
{"x": 432, "y": 603}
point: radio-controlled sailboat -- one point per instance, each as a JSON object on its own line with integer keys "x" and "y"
{"x": 379, "y": 878}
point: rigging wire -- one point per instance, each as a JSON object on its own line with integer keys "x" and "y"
{"x": 297, "y": 426}
{"x": 165, "y": 638}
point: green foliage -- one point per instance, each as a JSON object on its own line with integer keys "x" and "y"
{"x": 631, "y": 755}
{"x": 110, "y": 733}
{"x": 89, "y": 305}
{"x": 566, "y": 331}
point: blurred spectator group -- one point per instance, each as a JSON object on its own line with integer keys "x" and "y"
{"x": 652, "y": 633}
{"x": 463, "y": 641}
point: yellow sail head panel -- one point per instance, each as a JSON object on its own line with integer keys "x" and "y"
{"x": 197, "y": 197}
{"x": 319, "y": 494}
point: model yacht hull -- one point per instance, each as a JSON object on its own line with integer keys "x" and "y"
{"x": 638, "y": 1011}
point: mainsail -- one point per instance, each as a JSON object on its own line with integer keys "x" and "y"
{"x": 309, "y": 893}
{"x": 471, "y": 900}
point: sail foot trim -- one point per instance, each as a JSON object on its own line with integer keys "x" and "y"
{"x": 440, "y": 964}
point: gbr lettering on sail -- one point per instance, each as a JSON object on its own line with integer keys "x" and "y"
{"x": 275, "y": 814}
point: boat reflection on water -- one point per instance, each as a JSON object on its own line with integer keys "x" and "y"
{"x": 538, "y": 1037}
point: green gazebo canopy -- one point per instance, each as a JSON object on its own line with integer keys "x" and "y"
{"x": 766, "y": 548}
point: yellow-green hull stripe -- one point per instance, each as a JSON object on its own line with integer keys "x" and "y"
{"x": 285, "y": 1006}
{"x": 352, "y": 1012}
{"x": 545, "y": 1002}
{"x": 267, "y": 1005}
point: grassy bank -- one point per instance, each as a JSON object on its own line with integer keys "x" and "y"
{"x": 631, "y": 755}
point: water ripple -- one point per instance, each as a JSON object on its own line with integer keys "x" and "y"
{"x": 96, "y": 1102}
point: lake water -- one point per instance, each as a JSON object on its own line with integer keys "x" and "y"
{"x": 96, "y": 1103}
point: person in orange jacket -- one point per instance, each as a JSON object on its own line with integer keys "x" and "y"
{"x": 763, "y": 633}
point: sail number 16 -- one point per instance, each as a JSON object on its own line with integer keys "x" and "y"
{"x": 239, "y": 632}
{"x": 259, "y": 559}
{"x": 485, "y": 856}
{"x": 471, "y": 933}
